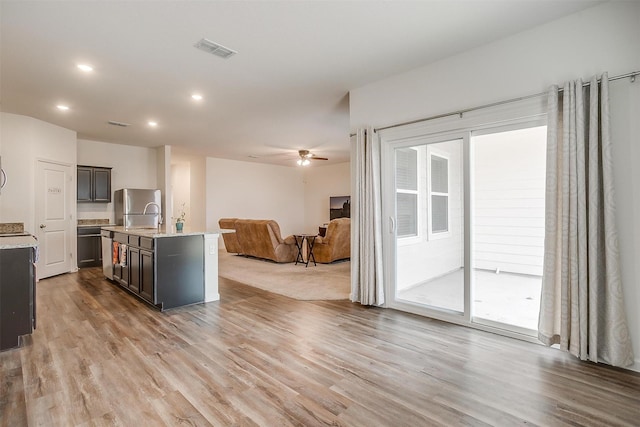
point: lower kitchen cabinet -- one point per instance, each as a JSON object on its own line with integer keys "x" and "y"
{"x": 141, "y": 275}
{"x": 137, "y": 273}
{"x": 89, "y": 247}
{"x": 146, "y": 275}
{"x": 17, "y": 296}
{"x": 120, "y": 268}
{"x": 133, "y": 258}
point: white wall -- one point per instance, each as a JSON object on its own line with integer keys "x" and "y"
{"x": 602, "y": 38}
{"x": 163, "y": 176}
{"x": 132, "y": 167}
{"x": 188, "y": 183}
{"x": 320, "y": 183}
{"x": 252, "y": 190}
{"x": 26, "y": 140}
{"x": 181, "y": 190}
{"x": 199, "y": 193}
{"x": 16, "y": 135}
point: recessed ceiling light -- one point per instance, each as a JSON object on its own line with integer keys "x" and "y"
{"x": 86, "y": 68}
{"x": 62, "y": 107}
{"x": 153, "y": 124}
{"x": 196, "y": 96}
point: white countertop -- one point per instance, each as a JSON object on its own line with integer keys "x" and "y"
{"x": 15, "y": 242}
{"x": 163, "y": 231}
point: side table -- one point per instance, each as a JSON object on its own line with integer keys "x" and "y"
{"x": 300, "y": 239}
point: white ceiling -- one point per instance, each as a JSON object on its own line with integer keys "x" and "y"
{"x": 286, "y": 89}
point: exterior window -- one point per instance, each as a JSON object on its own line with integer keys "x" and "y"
{"x": 407, "y": 192}
{"x": 439, "y": 194}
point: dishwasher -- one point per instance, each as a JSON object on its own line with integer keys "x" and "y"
{"x": 107, "y": 253}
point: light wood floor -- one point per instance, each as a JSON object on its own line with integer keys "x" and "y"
{"x": 101, "y": 357}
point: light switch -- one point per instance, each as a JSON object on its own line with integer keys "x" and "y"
{"x": 212, "y": 249}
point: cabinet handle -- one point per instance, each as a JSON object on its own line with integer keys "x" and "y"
{"x": 43, "y": 226}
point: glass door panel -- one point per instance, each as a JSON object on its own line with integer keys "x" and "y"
{"x": 507, "y": 217}
{"x": 430, "y": 225}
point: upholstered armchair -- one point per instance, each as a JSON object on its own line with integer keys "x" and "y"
{"x": 336, "y": 243}
{"x": 231, "y": 243}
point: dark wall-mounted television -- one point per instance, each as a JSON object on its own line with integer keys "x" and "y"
{"x": 339, "y": 207}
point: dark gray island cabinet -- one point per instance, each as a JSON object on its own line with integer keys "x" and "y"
{"x": 167, "y": 270}
{"x": 17, "y": 290}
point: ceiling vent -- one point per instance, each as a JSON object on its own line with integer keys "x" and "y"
{"x": 215, "y": 49}
{"x": 114, "y": 123}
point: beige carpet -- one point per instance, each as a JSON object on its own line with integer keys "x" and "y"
{"x": 321, "y": 282}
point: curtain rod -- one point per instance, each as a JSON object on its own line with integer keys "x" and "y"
{"x": 631, "y": 75}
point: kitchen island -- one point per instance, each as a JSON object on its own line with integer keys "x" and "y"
{"x": 163, "y": 267}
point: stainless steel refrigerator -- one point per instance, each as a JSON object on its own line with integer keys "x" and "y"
{"x": 137, "y": 208}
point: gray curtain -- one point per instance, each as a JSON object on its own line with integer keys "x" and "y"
{"x": 366, "y": 220}
{"x": 581, "y": 306}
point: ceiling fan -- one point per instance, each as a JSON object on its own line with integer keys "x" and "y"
{"x": 306, "y": 157}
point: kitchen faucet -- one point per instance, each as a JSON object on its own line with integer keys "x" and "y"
{"x": 144, "y": 212}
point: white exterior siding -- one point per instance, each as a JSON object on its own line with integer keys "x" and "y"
{"x": 508, "y": 201}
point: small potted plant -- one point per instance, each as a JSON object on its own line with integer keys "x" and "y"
{"x": 180, "y": 219}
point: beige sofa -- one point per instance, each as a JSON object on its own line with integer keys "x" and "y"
{"x": 258, "y": 238}
{"x": 336, "y": 243}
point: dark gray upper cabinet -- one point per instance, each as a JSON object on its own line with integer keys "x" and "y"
{"x": 84, "y": 183}
{"x": 94, "y": 184}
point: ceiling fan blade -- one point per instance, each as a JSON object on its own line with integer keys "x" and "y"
{"x": 307, "y": 155}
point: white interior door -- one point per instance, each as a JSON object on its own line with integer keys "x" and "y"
{"x": 53, "y": 195}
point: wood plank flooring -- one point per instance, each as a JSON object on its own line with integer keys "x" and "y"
{"x": 101, "y": 358}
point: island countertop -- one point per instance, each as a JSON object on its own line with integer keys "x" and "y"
{"x": 14, "y": 242}
{"x": 163, "y": 231}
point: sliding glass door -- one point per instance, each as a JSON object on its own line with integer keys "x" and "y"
{"x": 467, "y": 221}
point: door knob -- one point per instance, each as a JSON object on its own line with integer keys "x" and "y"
{"x": 43, "y": 226}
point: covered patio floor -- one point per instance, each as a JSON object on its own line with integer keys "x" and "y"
{"x": 508, "y": 298}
